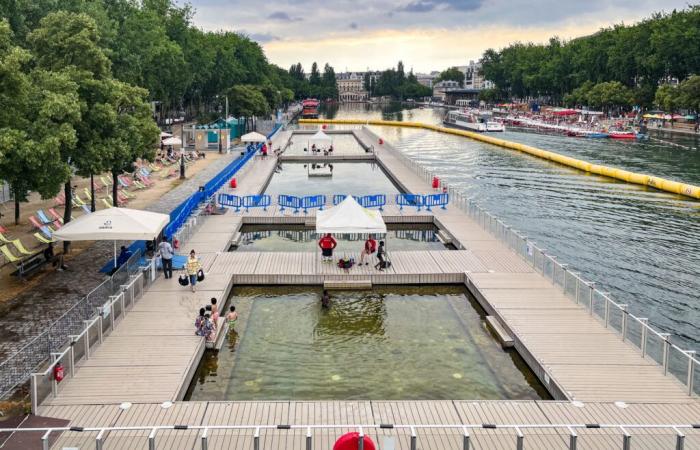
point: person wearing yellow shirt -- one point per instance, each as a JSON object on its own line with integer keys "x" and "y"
{"x": 192, "y": 267}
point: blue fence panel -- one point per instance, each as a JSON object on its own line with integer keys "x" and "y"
{"x": 337, "y": 198}
{"x": 313, "y": 201}
{"x": 409, "y": 200}
{"x": 440, "y": 200}
{"x": 372, "y": 201}
{"x": 289, "y": 201}
{"x": 229, "y": 201}
{"x": 256, "y": 201}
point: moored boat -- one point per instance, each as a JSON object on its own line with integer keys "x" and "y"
{"x": 310, "y": 108}
{"x": 473, "y": 121}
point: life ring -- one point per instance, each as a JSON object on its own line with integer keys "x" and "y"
{"x": 350, "y": 441}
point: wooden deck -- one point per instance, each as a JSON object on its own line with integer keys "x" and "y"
{"x": 340, "y": 413}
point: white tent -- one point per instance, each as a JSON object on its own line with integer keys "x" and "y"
{"x": 253, "y": 137}
{"x": 349, "y": 217}
{"x": 114, "y": 224}
{"x": 164, "y": 134}
{"x": 320, "y": 136}
{"x": 172, "y": 141}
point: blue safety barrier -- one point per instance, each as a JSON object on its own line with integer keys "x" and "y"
{"x": 337, "y": 198}
{"x": 289, "y": 201}
{"x": 440, "y": 200}
{"x": 409, "y": 200}
{"x": 256, "y": 201}
{"x": 229, "y": 201}
{"x": 373, "y": 201}
{"x": 313, "y": 201}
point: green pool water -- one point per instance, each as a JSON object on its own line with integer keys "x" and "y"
{"x": 264, "y": 238}
{"x": 425, "y": 343}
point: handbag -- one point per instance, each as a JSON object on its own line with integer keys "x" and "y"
{"x": 200, "y": 275}
{"x": 184, "y": 280}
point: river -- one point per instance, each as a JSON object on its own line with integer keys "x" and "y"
{"x": 637, "y": 243}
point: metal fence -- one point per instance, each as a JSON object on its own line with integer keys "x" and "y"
{"x": 18, "y": 367}
{"x": 413, "y": 436}
{"x": 636, "y": 331}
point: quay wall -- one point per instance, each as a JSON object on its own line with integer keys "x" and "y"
{"x": 659, "y": 183}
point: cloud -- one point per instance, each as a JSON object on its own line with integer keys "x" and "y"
{"x": 353, "y": 25}
{"x": 283, "y": 17}
{"x": 422, "y": 6}
{"x": 262, "y": 38}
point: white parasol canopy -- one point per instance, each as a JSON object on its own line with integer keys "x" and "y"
{"x": 114, "y": 224}
{"x": 349, "y": 217}
{"x": 164, "y": 134}
{"x": 320, "y": 136}
{"x": 172, "y": 141}
{"x": 253, "y": 137}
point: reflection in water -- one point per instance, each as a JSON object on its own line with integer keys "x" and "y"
{"x": 424, "y": 342}
{"x": 639, "y": 244}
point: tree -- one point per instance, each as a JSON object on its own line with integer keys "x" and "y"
{"x": 328, "y": 82}
{"x": 609, "y": 94}
{"x": 315, "y": 77}
{"x": 690, "y": 93}
{"x": 667, "y": 97}
{"x": 452, "y": 74}
{"x": 247, "y": 101}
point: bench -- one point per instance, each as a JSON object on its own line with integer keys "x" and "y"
{"x": 29, "y": 265}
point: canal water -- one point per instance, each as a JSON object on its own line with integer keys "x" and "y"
{"x": 639, "y": 244}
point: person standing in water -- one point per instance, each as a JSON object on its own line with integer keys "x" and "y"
{"x": 232, "y": 317}
{"x": 325, "y": 299}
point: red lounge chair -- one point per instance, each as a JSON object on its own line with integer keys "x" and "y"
{"x": 55, "y": 215}
{"x": 60, "y": 199}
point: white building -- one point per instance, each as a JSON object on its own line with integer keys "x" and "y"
{"x": 427, "y": 79}
{"x": 351, "y": 87}
{"x": 440, "y": 87}
{"x": 472, "y": 77}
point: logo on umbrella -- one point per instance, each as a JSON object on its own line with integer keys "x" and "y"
{"x": 106, "y": 226}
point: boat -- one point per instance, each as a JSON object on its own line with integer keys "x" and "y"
{"x": 473, "y": 121}
{"x": 310, "y": 108}
{"x": 622, "y": 135}
{"x": 596, "y": 135}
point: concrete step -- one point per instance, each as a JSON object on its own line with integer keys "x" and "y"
{"x": 503, "y": 336}
{"x": 347, "y": 284}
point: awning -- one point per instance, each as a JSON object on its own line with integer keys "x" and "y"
{"x": 172, "y": 141}
{"x": 253, "y": 137}
{"x": 320, "y": 136}
{"x": 349, "y": 217}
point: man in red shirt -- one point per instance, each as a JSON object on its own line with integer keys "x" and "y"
{"x": 370, "y": 248}
{"x": 327, "y": 244}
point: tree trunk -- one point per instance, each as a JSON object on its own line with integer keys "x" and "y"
{"x": 68, "y": 193}
{"x": 92, "y": 193}
{"x": 115, "y": 184}
{"x": 16, "y": 209}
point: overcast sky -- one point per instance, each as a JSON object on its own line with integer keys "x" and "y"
{"x": 426, "y": 34}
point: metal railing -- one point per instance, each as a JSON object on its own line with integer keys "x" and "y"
{"x": 456, "y": 436}
{"x": 652, "y": 344}
{"x": 18, "y": 367}
{"x": 79, "y": 346}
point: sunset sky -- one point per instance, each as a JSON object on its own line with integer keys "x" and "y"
{"x": 426, "y": 34}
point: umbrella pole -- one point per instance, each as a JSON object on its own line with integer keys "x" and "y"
{"x": 115, "y": 254}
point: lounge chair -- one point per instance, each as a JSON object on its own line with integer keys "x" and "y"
{"x": 5, "y": 239}
{"x": 88, "y": 195}
{"x": 42, "y": 239}
{"x": 140, "y": 185}
{"x": 46, "y": 230}
{"x": 3, "y": 229}
{"x": 126, "y": 194}
{"x": 77, "y": 201}
{"x": 8, "y": 255}
{"x": 43, "y": 217}
{"x": 20, "y": 248}
{"x": 26, "y": 265}
{"x": 86, "y": 210}
{"x": 60, "y": 199}
{"x": 107, "y": 203}
{"x": 122, "y": 182}
{"x": 105, "y": 182}
{"x": 55, "y": 215}
{"x": 35, "y": 222}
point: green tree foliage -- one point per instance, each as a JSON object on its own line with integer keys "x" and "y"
{"x": 315, "y": 76}
{"x": 320, "y": 85}
{"x": 689, "y": 97}
{"x": 452, "y": 74}
{"x": 662, "y": 47}
{"x": 395, "y": 84}
{"x": 666, "y": 97}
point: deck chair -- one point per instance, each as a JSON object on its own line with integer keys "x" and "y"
{"x": 60, "y": 200}
{"x": 3, "y": 229}
{"x": 42, "y": 239}
{"x": 46, "y": 231}
{"x": 8, "y": 255}
{"x": 77, "y": 201}
{"x": 105, "y": 182}
{"x": 20, "y": 248}
{"x": 35, "y": 222}
{"x": 55, "y": 215}
{"x": 87, "y": 194}
{"x": 5, "y": 239}
{"x": 140, "y": 185}
{"x": 43, "y": 217}
{"x": 107, "y": 203}
{"x": 86, "y": 209}
{"x": 122, "y": 182}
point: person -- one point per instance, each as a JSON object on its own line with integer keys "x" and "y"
{"x": 380, "y": 256}
{"x": 263, "y": 150}
{"x": 54, "y": 259}
{"x": 232, "y": 317}
{"x": 330, "y": 149}
{"x": 325, "y": 299}
{"x": 214, "y": 310}
{"x": 193, "y": 266}
{"x": 166, "y": 254}
{"x": 208, "y": 312}
{"x": 199, "y": 323}
{"x": 313, "y": 148}
{"x": 370, "y": 248}
{"x": 124, "y": 255}
{"x": 208, "y": 329}
{"x": 327, "y": 244}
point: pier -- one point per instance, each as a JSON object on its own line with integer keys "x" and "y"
{"x": 572, "y": 342}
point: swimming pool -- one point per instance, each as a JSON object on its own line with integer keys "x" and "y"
{"x": 393, "y": 342}
{"x": 351, "y": 178}
{"x": 343, "y": 144}
{"x": 298, "y": 238}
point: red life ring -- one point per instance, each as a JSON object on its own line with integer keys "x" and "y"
{"x": 350, "y": 441}
{"x": 234, "y": 183}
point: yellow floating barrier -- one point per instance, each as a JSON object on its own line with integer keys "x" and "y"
{"x": 659, "y": 183}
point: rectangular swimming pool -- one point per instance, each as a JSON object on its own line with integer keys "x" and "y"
{"x": 350, "y": 178}
{"x": 298, "y": 238}
{"x": 426, "y": 343}
{"x": 343, "y": 144}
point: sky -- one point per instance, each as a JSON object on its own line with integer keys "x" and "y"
{"x": 425, "y": 34}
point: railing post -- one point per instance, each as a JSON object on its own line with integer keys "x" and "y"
{"x": 256, "y": 439}
{"x": 72, "y": 360}
{"x": 34, "y": 394}
{"x": 98, "y": 440}
{"x": 565, "y": 270}
{"x": 625, "y": 315}
{"x": 691, "y": 369}
{"x": 45, "y": 440}
{"x": 204, "y": 439}
{"x": 664, "y": 356}
{"x": 680, "y": 439}
{"x": 607, "y": 311}
{"x": 465, "y": 438}
{"x": 308, "y": 439}
{"x": 99, "y": 327}
{"x": 152, "y": 439}
{"x": 573, "y": 437}
{"x": 591, "y": 293}
{"x": 643, "y": 345}
{"x": 626, "y": 439}
{"x": 414, "y": 439}
{"x": 361, "y": 440}
{"x": 519, "y": 439}
{"x": 87, "y": 338}
{"x": 578, "y": 290}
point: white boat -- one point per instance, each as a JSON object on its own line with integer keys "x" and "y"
{"x": 473, "y": 121}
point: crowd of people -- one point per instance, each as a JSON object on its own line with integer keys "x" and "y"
{"x": 207, "y": 322}
{"x": 318, "y": 150}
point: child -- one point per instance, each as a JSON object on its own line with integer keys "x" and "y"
{"x": 199, "y": 323}
{"x": 325, "y": 299}
{"x": 232, "y": 317}
{"x": 380, "y": 256}
{"x": 214, "y": 310}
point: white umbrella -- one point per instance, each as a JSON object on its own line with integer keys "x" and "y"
{"x": 114, "y": 224}
{"x": 253, "y": 137}
{"x": 320, "y": 136}
{"x": 164, "y": 134}
{"x": 172, "y": 141}
{"x": 349, "y": 217}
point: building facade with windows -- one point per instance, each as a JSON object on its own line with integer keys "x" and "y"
{"x": 351, "y": 87}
